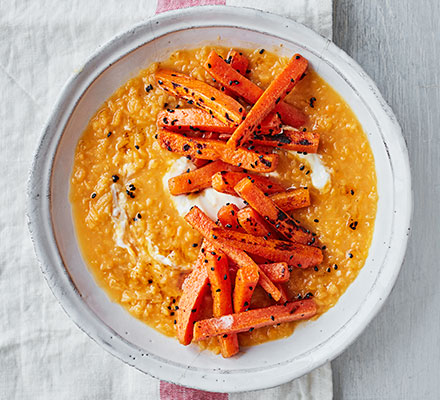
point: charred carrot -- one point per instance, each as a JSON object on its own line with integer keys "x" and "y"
{"x": 210, "y": 149}
{"x": 284, "y": 296}
{"x": 204, "y": 225}
{"x": 216, "y": 265}
{"x": 291, "y": 199}
{"x": 276, "y": 272}
{"x": 254, "y": 224}
{"x": 288, "y": 139}
{"x": 202, "y": 95}
{"x": 257, "y": 318}
{"x": 227, "y": 215}
{"x": 273, "y": 214}
{"x": 277, "y": 90}
{"x": 246, "y": 280}
{"x": 237, "y": 61}
{"x": 199, "y": 163}
{"x": 194, "y": 120}
{"x": 250, "y": 92}
{"x": 191, "y": 119}
{"x": 198, "y": 179}
{"x": 244, "y": 288}
{"x": 295, "y": 254}
{"x": 193, "y": 291}
{"x": 224, "y": 182}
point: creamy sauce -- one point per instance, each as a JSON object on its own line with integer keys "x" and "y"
{"x": 319, "y": 174}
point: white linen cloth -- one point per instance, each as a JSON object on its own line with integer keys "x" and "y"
{"x": 43, "y": 355}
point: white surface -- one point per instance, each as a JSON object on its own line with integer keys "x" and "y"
{"x": 42, "y": 354}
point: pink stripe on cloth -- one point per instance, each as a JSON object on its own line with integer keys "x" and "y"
{"x": 167, "y": 5}
{"x": 170, "y": 391}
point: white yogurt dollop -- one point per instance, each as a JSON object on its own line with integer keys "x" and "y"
{"x": 208, "y": 200}
{"x": 318, "y": 172}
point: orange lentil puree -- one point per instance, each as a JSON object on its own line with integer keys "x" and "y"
{"x": 127, "y": 224}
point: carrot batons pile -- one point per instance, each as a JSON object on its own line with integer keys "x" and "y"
{"x": 258, "y": 244}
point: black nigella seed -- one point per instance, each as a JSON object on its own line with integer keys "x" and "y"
{"x": 261, "y": 51}
{"x": 139, "y": 216}
{"x": 350, "y": 255}
{"x": 109, "y": 134}
{"x": 353, "y": 225}
{"x": 194, "y": 244}
{"x": 93, "y": 195}
{"x": 315, "y": 268}
{"x": 150, "y": 281}
{"x": 115, "y": 178}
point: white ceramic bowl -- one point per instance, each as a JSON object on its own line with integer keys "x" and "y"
{"x": 51, "y": 225}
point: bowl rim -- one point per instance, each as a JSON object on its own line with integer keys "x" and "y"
{"x": 51, "y": 263}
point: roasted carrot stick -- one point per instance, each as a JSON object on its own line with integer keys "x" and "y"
{"x": 216, "y": 265}
{"x": 210, "y": 149}
{"x": 224, "y": 182}
{"x": 257, "y": 318}
{"x": 284, "y": 296}
{"x": 276, "y": 272}
{"x": 202, "y": 95}
{"x": 295, "y": 254}
{"x": 227, "y": 215}
{"x": 199, "y": 163}
{"x": 246, "y": 280}
{"x": 198, "y": 179}
{"x": 291, "y": 199}
{"x": 250, "y": 92}
{"x": 193, "y": 291}
{"x": 254, "y": 224}
{"x": 277, "y": 90}
{"x": 237, "y": 61}
{"x": 204, "y": 225}
{"x": 268, "y": 209}
{"x": 288, "y": 139}
{"x": 194, "y": 120}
